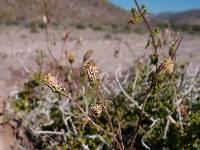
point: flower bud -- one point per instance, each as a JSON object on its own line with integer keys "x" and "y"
{"x": 71, "y": 57}
{"x": 164, "y": 70}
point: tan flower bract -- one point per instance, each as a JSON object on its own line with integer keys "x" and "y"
{"x": 165, "y": 69}
{"x": 97, "y": 109}
{"x": 53, "y": 84}
{"x": 71, "y": 57}
{"x": 92, "y": 73}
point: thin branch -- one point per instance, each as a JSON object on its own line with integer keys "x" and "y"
{"x": 48, "y": 132}
{"x": 166, "y": 129}
{"x": 123, "y": 90}
{"x": 148, "y": 26}
{"x": 86, "y": 115}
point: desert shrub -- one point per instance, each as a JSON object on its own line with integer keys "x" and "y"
{"x": 80, "y": 26}
{"x": 97, "y": 28}
{"x": 35, "y": 26}
{"x": 154, "y": 104}
{"x": 187, "y": 28}
{"x": 120, "y": 28}
{"x": 139, "y": 30}
{"x": 58, "y": 120}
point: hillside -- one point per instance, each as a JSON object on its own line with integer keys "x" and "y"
{"x": 62, "y": 11}
{"x": 191, "y": 17}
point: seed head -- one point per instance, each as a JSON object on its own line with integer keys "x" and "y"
{"x": 53, "y": 84}
{"x": 71, "y": 57}
{"x": 97, "y": 109}
{"x": 92, "y": 73}
{"x": 165, "y": 69}
{"x": 168, "y": 65}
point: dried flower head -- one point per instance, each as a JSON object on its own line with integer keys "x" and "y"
{"x": 87, "y": 55}
{"x": 92, "y": 73}
{"x": 65, "y": 36}
{"x": 168, "y": 65}
{"x": 53, "y": 84}
{"x": 164, "y": 70}
{"x": 97, "y": 109}
{"x": 71, "y": 57}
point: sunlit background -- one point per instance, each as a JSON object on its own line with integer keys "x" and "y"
{"x": 158, "y": 6}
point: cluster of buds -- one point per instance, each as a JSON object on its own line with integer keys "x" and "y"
{"x": 97, "y": 109}
{"x": 71, "y": 57}
{"x": 53, "y": 84}
{"x": 167, "y": 66}
{"x": 92, "y": 73}
{"x": 137, "y": 18}
{"x": 165, "y": 69}
{"x": 158, "y": 41}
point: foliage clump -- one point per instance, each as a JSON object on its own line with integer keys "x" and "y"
{"x": 152, "y": 105}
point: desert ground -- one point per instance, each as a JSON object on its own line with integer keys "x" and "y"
{"x": 18, "y": 47}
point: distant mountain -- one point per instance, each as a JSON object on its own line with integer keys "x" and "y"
{"x": 191, "y": 17}
{"x": 63, "y": 11}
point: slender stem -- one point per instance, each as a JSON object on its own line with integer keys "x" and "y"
{"x": 72, "y": 70}
{"x": 143, "y": 16}
{"x": 148, "y": 27}
{"x": 119, "y": 132}
{"x": 78, "y": 83}
{"x": 119, "y": 144}
{"x": 46, "y": 34}
{"x": 121, "y": 147}
{"x": 177, "y": 46}
{"x": 48, "y": 132}
{"x": 148, "y": 93}
{"x": 85, "y": 114}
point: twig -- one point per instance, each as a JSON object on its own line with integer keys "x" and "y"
{"x": 48, "y": 132}
{"x": 148, "y": 93}
{"x": 148, "y": 26}
{"x": 93, "y": 123}
{"x": 152, "y": 126}
{"x": 123, "y": 90}
{"x": 166, "y": 129}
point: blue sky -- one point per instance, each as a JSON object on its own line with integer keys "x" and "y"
{"x": 157, "y": 6}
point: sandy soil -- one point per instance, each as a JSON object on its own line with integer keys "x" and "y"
{"x": 18, "y": 48}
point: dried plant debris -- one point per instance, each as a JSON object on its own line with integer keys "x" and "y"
{"x": 92, "y": 73}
